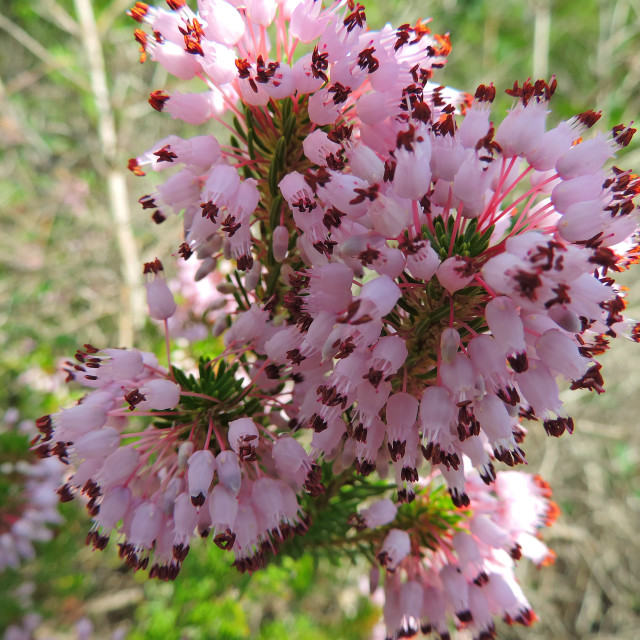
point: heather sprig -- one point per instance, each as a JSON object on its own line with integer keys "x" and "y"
{"x": 405, "y": 282}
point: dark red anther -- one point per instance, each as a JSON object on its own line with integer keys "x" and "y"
{"x": 157, "y": 99}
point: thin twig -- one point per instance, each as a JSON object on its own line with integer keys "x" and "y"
{"x": 132, "y": 313}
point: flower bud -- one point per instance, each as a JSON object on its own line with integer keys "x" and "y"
{"x": 184, "y": 453}
{"x": 449, "y": 344}
{"x": 160, "y": 299}
{"x": 280, "y": 243}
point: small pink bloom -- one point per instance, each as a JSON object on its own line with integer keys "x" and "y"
{"x": 160, "y": 394}
{"x": 229, "y": 471}
{"x": 453, "y": 274}
{"x": 395, "y": 548}
{"x": 202, "y": 466}
{"x": 380, "y": 513}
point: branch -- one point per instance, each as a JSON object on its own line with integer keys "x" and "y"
{"x": 132, "y": 314}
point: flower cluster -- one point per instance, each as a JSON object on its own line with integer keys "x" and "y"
{"x": 466, "y": 578}
{"x": 28, "y": 627}
{"x": 401, "y": 283}
{"x": 27, "y": 485}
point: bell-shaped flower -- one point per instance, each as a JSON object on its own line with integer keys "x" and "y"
{"x": 218, "y": 61}
{"x": 308, "y": 21}
{"x": 176, "y": 60}
{"x": 159, "y": 394}
{"x": 437, "y": 410}
{"x": 113, "y": 507}
{"x": 365, "y": 163}
{"x": 482, "y": 620}
{"x": 423, "y": 263}
{"x": 159, "y": 298}
{"x": 446, "y": 158}
{"x": 224, "y": 23}
{"x": 303, "y": 75}
{"x": 221, "y": 185}
{"x": 202, "y": 466}
{"x": 329, "y": 289}
{"x": 412, "y": 177}
{"x": 475, "y": 124}
{"x": 185, "y": 516}
{"x": 560, "y": 353}
{"x": 267, "y": 498}
{"x": 322, "y": 108}
{"x": 367, "y": 452}
{"x": 539, "y": 388}
{"x": 247, "y": 530}
{"x": 119, "y": 465}
{"x": 520, "y": 132}
{"x": 380, "y": 513}
{"x": 382, "y": 292}
{"x": 449, "y": 344}
{"x": 244, "y": 201}
{"x": 505, "y": 598}
{"x": 395, "y": 548}
{"x": 229, "y": 471}
{"x": 291, "y": 460}
{"x": 456, "y": 589}
{"x": 97, "y": 444}
{"x": 243, "y": 438}
{"x": 192, "y": 108}
{"x": 585, "y": 158}
{"x": 551, "y": 146}
{"x": 458, "y": 376}
{"x": 296, "y": 191}
{"x": 121, "y": 364}
{"x": 223, "y": 509}
{"x": 317, "y": 146}
{"x": 470, "y": 558}
{"x": 261, "y": 12}
{"x": 71, "y": 423}
{"x": 455, "y": 273}
{"x": 497, "y": 424}
{"x": 389, "y": 215}
{"x": 280, "y": 243}
{"x": 472, "y": 179}
{"x": 389, "y": 354}
{"x": 145, "y": 525}
{"x": 506, "y": 326}
{"x": 580, "y": 189}
{"x": 489, "y": 361}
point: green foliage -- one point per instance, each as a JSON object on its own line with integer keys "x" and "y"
{"x": 294, "y": 599}
{"x": 223, "y": 390}
{"x": 331, "y": 531}
{"x": 468, "y": 243}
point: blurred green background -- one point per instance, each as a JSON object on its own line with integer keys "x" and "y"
{"x": 73, "y": 109}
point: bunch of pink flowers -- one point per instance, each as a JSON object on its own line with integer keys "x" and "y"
{"x": 405, "y": 282}
{"x": 29, "y": 509}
